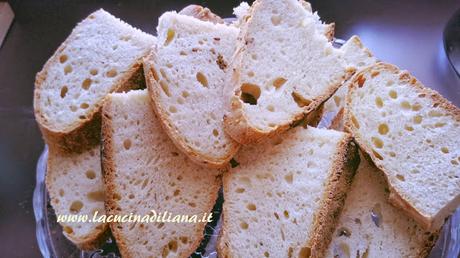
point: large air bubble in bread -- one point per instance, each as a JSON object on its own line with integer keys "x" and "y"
{"x": 413, "y": 134}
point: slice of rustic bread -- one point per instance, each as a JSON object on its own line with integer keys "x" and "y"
{"x": 283, "y": 198}
{"x": 144, "y": 171}
{"x": 101, "y": 55}
{"x": 277, "y": 82}
{"x": 411, "y": 133}
{"x": 370, "y": 227}
{"x": 185, "y": 76}
{"x": 75, "y": 186}
{"x": 360, "y": 57}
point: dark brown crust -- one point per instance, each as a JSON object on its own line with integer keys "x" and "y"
{"x": 337, "y": 121}
{"x": 94, "y": 240}
{"x": 346, "y": 161}
{"x": 395, "y": 198}
{"x": 110, "y": 174}
{"x": 202, "y": 159}
{"x": 87, "y": 133}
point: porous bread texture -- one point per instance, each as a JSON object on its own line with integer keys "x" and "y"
{"x": 283, "y": 198}
{"x": 185, "y": 76}
{"x": 370, "y": 227}
{"x": 75, "y": 186}
{"x": 357, "y": 55}
{"x": 413, "y": 135}
{"x": 144, "y": 171}
{"x": 277, "y": 82}
{"x": 101, "y": 55}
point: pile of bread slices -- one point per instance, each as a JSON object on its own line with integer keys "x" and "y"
{"x": 380, "y": 182}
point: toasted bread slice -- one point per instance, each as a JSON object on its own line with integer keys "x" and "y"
{"x": 413, "y": 135}
{"x": 370, "y": 227}
{"x": 144, "y": 171}
{"x": 101, "y": 55}
{"x": 283, "y": 198}
{"x": 75, "y": 186}
{"x": 277, "y": 82}
{"x": 185, "y": 76}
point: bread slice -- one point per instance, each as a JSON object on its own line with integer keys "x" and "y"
{"x": 359, "y": 56}
{"x": 370, "y": 227}
{"x": 75, "y": 186}
{"x": 277, "y": 82}
{"x": 283, "y": 198}
{"x": 144, "y": 171}
{"x": 411, "y": 133}
{"x": 185, "y": 77}
{"x": 101, "y": 55}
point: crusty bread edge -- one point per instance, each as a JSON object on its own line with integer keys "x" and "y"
{"x": 428, "y": 223}
{"x": 202, "y": 159}
{"x": 97, "y": 237}
{"x": 345, "y": 163}
{"x": 109, "y": 173}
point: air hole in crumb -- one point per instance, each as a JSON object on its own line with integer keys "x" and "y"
{"x": 200, "y": 77}
{"x": 165, "y": 88}
{"x": 64, "y": 91}
{"x": 379, "y": 102}
{"x": 90, "y": 174}
{"x": 239, "y": 190}
{"x": 418, "y": 119}
{"x": 68, "y": 230}
{"x": 73, "y": 108}
{"x": 405, "y": 105}
{"x": 439, "y": 124}
{"x": 400, "y": 177}
{"x": 185, "y": 94}
{"x": 416, "y": 107}
{"x": 271, "y": 108}
{"x": 251, "y": 74}
{"x": 354, "y": 121}
{"x": 278, "y": 82}
{"x": 383, "y": 129}
{"x": 266, "y": 254}
{"x": 301, "y": 101}
{"x": 244, "y": 225}
{"x": 61, "y": 192}
{"x": 86, "y": 84}
{"x": 377, "y": 142}
{"x": 82, "y": 117}
{"x": 250, "y": 93}
{"x": 97, "y": 196}
{"x": 76, "y": 206}
{"x": 434, "y": 113}
{"x": 393, "y": 94}
{"x": 377, "y": 155}
{"x": 127, "y": 144}
{"x": 67, "y": 69}
{"x": 169, "y": 36}
{"x": 215, "y": 132}
{"x": 289, "y": 178}
{"x": 84, "y": 105}
{"x": 276, "y": 20}
{"x": 445, "y": 150}
{"x": 286, "y": 214}
{"x": 111, "y": 73}
{"x": 361, "y": 80}
{"x": 93, "y": 71}
{"x": 374, "y": 74}
{"x": 409, "y": 128}
{"x": 176, "y": 192}
{"x": 63, "y": 59}
{"x": 172, "y": 109}
{"x": 251, "y": 207}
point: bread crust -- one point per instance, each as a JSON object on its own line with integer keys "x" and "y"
{"x": 202, "y": 159}
{"x": 339, "y": 182}
{"x": 109, "y": 174}
{"x": 93, "y": 240}
{"x": 86, "y": 133}
{"x": 427, "y": 222}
